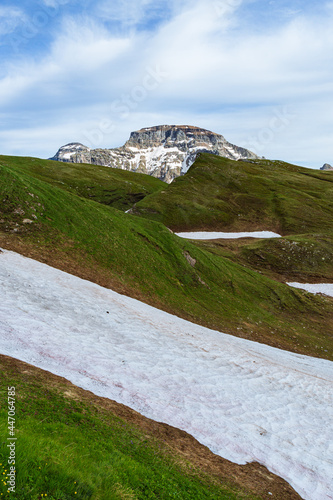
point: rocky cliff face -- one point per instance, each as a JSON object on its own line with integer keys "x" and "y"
{"x": 165, "y": 151}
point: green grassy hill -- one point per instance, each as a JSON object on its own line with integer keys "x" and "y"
{"x": 221, "y": 194}
{"x": 306, "y": 258}
{"x": 144, "y": 259}
{"x": 72, "y": 217}
{"x": 218, "y": 193}
{"x": 110, "y": 186}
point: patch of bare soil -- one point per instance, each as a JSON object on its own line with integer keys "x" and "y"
{"x": 252, "y": 478}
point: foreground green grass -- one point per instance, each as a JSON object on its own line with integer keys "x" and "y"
{"x": 144, "y": 259}
{"x": 70, "y": 449}
{"x": 218, "y": 193}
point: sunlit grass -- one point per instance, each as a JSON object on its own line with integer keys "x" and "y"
{"x": 68, "y": 449}
{"x": 151, "y": 263}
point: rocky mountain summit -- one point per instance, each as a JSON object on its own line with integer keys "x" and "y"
{"x": 165, "y": 151}
{"x": 326, "y": 166}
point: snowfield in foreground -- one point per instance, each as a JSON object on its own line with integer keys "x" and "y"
{"x": 244, "y": 400}
{"x": 205, "y": 235}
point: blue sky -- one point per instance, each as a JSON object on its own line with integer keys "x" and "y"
{"x": 258, "y": 72}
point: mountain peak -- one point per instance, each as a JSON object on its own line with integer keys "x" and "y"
{"x": 326, "y": 166}
{"x": 184, "y": 128}
{"x": 164, "y": 151}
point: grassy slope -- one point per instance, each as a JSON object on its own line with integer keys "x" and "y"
{"x": 71, "y": 447}
{"x": 222, "y": 194}
{"x": 218, "y": 193}
{"x": 307, "y": 258}
{"x": 304, "y": 257}
{"x": 110, "y": 186}
{"x": 141, "y": 258}
{"x": 147, "y": 261}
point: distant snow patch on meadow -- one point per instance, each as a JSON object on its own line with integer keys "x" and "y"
{"x": 205, "y": 235}
{"x": 326, "y": 288}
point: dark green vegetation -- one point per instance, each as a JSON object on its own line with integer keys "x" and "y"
{"x": 304, "y": 258}
{"x": 110, "y": 186}
{"x": 218, "y": 193}
{"x": 308, "y": 258}
{"x": 221, "y": 194}
{"x": 144, "y": 259}
{"x": 68, "y": 447}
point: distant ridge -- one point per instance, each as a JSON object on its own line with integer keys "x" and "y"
{"x": 163, "y": 151}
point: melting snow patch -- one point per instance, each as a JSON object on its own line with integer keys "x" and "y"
{"x": 326, "y": 288}
{"x": 245, "y": 401}
{"x": 67, "y": 155}
{"x": 205, "y": 235}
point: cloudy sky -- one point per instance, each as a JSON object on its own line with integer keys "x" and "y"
{"x": 258, "y": 72}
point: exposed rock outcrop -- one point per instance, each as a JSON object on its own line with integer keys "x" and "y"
{"x": 165, "y": 151}
{"x": 326, "y": 166}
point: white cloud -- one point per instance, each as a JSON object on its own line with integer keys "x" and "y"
{"x": 86, "y": 46}
{"x": 81, "y": 56}
{"x": 46, "y": 137}
{"x": 55, "y": 3}
{"x": 228, "y": 80}
{"x": 128, "y": 12}
{"x": 245, "y": 67}
{"x": 10, "y": 19}
{"x": 132, "y": 14}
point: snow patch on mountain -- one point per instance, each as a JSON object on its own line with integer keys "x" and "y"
{"x": 165, "y": 151}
